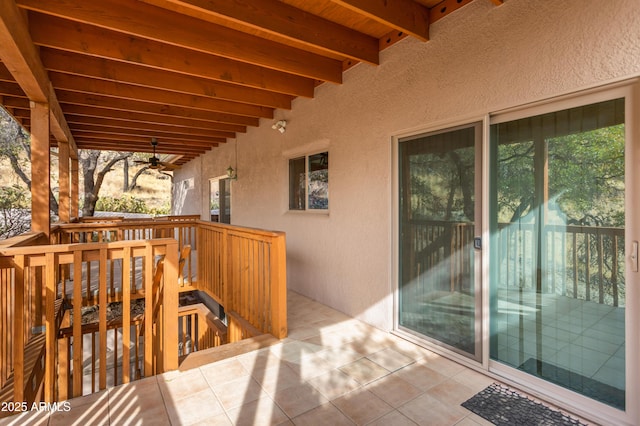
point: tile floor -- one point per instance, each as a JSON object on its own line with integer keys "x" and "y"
{"x": 331, "y": 370}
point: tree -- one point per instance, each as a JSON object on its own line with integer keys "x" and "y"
{"x": 95, "y": 165}
{"x": 15, "y": 145}
{"x": 14, "y": 211}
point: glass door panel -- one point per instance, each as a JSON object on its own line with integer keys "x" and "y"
{"x": 557, "y": 250}
{"x": 438, "y": 296}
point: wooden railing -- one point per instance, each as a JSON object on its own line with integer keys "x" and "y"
{"x": 242, "y": 269}
{"x": 47, "y": 355}
{"x": 199, "y": 329}
{"x": 245, "y": 271}
{"x": 181, "y": 228}
{"x": 34, "y": 275}
{"x": 581, "y": 261}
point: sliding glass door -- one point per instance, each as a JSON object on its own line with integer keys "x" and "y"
{"x": 439, "y": 298}
{"x": 558, "y": 294}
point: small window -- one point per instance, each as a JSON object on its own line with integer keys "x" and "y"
{"x": 309, "y": 182}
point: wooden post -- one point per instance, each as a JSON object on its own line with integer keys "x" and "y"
{"x": 279, "y": 288}
{"x": 170, "y": 309}
{"x": 63, "y": 168}
{"x": 40, "y": 168}
{"x": 74, "y": 193}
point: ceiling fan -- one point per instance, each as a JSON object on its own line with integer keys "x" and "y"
{"x": 154, "y": 162}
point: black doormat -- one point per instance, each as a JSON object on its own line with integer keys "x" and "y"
{"x": 576, "y": 382}
{"x": 502, "y": 406}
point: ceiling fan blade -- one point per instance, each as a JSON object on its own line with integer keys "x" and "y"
{"x": 169, "y": 166}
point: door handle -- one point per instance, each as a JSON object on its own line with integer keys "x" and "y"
{"x": 634, "y": 256}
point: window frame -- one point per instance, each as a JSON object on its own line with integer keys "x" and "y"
{"x": 306, "y": 157}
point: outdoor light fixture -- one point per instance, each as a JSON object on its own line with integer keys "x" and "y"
{"x": 280, "y": 126}
{"x": 231, "y": 173}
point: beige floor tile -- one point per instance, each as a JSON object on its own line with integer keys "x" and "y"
{"x": 426, "y": 410}
{"x": 201, "y": 405}
{"x": 451, "y": 392}
{"x": 364, "y": 371}
{"x": 334, "y": 384}
{"x": 442, "y": 365}
{"x": 394, "y": 418}
{"x": 31, "y": 418}
{"x": 255, "y": 362}
{"x": 294, "y": 350}
{"x": 95, "y": 413}
{"x": 223, "y": 371}
{"x": 299, "y": 399}
{"x": 362, "y": 406}
{"x": 420, "y": 376}
{"x": 474, "y": 420}
{"x": 136, "y": 416}
{"x": 473, "y": 380}
{"x": 390, "y": 359}
{"x": 178, "y": 386}
{"x": 325, "y": 414}
{"x": 394, "y": 390}
{"x": 309, "y": 366}
{"x": 263, "y": 411}
{"x": 337, "y": 357}
{"x": 237, "y": 392}
{"x": 277, "y": 378}
{"x": 215, "y": 420}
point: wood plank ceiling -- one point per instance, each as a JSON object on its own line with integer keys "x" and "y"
{"x": 191, "y": 73}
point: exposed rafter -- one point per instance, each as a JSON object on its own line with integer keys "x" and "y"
{"x": 21, "y": 58}
{"x": 192, "y": 72}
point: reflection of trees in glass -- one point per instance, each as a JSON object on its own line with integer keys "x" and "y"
{"x": 586, "y": 174}
{"x": 586, "y": 177}
{"x": 319, "y": 189}
{"x": 585, "y": 205}
{"x": 442, "y": 185}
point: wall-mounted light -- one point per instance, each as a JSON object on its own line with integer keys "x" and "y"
{"x": 231, "y": 173}
{"x": 280, "y": 125}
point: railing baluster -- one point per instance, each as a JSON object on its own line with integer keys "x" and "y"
{"x": 102, "y": 316}
{"x": 129, "y": 269}
{"x": 18, "y": 329}
{"x": 77, "y": 322}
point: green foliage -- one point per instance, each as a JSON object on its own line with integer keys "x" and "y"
{"x": 127, "y": 203}
{"x": 586, "y": 177}
{"x": 14, "y": 211}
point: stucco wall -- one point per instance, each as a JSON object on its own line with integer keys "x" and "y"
{"x": 479, "y": 60}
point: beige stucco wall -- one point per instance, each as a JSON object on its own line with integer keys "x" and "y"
{"x": 480, "y": 59}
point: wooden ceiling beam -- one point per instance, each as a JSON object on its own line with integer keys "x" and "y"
{"x": 90, "y": 66}
{"x": 154, "y": 23}
{"x": 142, "y": 118}
{"x": 405, "y": 15}
{"x": 283, "y": 21}
{"x": 67, "y": 97}
{"x": 15, "y": 102}
{"x": 157, "y": 128}
{"x": 71, "y": 36}
{"x": 167, "y": 143}
{"x": 92, "y": 128}
{"x": 445, "y": 8}
{"x": 21, "y": 58}
{"x": 123, "y": 91}
{"x": 110, "y": 145}
{"x": 76, "y": 114}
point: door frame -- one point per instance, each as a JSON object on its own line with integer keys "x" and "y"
{"x": 581, "y": 405}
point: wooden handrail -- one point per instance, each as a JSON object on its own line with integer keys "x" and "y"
{"x": 40, "y": 266}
